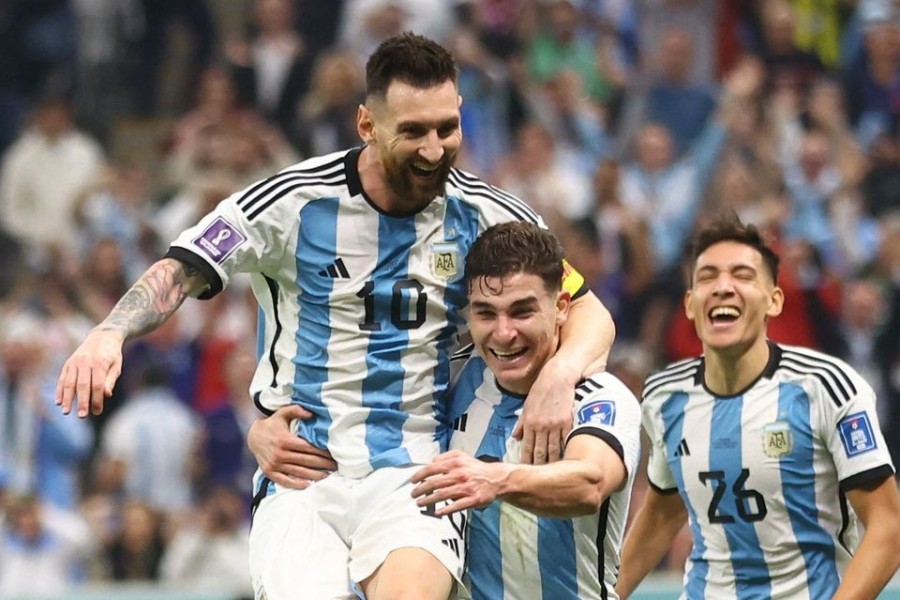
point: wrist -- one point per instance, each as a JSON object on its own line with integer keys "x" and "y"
{"x": 504, "y": 480}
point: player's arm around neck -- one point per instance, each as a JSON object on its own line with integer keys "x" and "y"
{"x": 88, "y": 376}
{"x": 878, "y": 556}
{"x": 585, "y": 340}
{"x": 650, "y": 536}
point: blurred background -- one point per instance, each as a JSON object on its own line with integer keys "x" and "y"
{"x": 626, "y": 123}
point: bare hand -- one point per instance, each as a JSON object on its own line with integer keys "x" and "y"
{"x": 546, "y": 419}
{"x": 89, "y": 375}
{"x": 462, "y": 480}
{"x": 284, "y": 458}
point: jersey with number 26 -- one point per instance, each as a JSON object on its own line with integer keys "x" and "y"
{"x": 360, "y": 310}
{"x": 764, "y": 474}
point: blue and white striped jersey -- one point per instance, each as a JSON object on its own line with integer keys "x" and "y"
{"x": 513, "y": 553}
{"x": 763, "y": 474}
{"x": 360, "y": 310}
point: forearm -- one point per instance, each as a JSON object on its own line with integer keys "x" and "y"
{"x": 586, "y": 337}
{"x": 648, "y": 540}
{"x": 153, "y": 298}
{"x": 568, "y": 488}
{"x": 874, "y": 563}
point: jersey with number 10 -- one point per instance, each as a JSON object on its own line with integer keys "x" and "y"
{"x": 360, "y": 310}
{"x": 764, "y": 474}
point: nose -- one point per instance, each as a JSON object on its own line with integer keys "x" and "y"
{"x": 432, "y": 149}
{"x": 504, "y": 332}
{"x": 724, "y": 285}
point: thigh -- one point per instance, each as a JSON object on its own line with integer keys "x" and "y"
{"x": 398, "y": 542}
{"x": 295, "y": 549}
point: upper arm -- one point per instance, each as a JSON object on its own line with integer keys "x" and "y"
{"x": 598, "y": 453}
{"x": 878, "y": 502}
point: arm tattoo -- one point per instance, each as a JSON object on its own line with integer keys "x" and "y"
{"x": 156, "y": 295}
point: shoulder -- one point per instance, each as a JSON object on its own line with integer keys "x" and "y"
{"x": 488, "y": 199}
{"x": 827, "y": 375}
{"x": 677, "y": 376}
{"x": 603, "y": 385}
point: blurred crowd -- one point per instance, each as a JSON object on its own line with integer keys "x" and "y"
{"x": 626, "y": 123}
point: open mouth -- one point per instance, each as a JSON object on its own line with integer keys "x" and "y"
{"x": 424, "y": 171}
{"x": 510, "y": 355}
{"x": 724, "y": 315}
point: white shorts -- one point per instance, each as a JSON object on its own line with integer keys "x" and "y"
{"x": 319, "y": 543}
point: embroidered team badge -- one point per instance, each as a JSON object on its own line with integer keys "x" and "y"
{"x": 445, "y": 260}
{"x": 598, "y": 412}
{"x": 856, "y": 434}
{"x": 777, "y": 439}
{"x": 219, "y": 240}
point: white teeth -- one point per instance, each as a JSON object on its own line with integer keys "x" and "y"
{"x": 725, "y": 311}
{"x": 427, "y": 168}
{"x": 511, "y": 354}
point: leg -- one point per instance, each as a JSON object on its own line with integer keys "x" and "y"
{"x": 399, "y": 550}
{"x": 295, "y": 548}
{"x": 409, "y": 574}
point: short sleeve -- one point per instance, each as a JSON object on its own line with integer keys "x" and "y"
{"x": 658, "y": 471}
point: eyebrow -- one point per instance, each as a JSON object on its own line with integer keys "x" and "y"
{"x": 450, "y": 122}
{"x": 521, "y": 303}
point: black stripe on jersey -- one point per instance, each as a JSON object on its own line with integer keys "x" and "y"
{"x": 679, "y": 371}
{"x": 585, "y": 388}
{"x": 831, "y": 375}
{"x": 273, "y": 361}
{"x": 259, "y": 405}
{"x": 821, "y": 360}
{"x": 845, "y": 521}
{"x": 463, "y": 353}
{"x": 292, "y": 186}
{"x": 662, "y": 491}
{"x": 284, "y": 182}
{"x": 602, "y": 525}
{"x": 258, "y": 497}
{"x": 254, "y": 193}
{"x": 474, "y": 186}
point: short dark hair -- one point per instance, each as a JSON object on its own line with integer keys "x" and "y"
{"x": 512, "y": 248}
{"x": 729, "y": 228}
{"x": 410, "y": 58}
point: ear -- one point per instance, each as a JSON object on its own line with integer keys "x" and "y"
{"x": 458, "y": 101}
{"x": 563, "y": 302}
{"x": 776, "y": 302}
{"x": 365, "y": 124}
{"x": 687, "y": 305}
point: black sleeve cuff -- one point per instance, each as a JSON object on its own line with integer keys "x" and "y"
{"x": 604, "y": 435}
{"x": 662, "y": 491}
{"x": 866, "y": 478}
{"x": 208, "y": 273}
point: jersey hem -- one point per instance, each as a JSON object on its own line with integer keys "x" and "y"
{"x": 663, "y": 491}
{"x": 212, "y": 278}
{"x": 861, "y": 479}
{"x": 602, "y": 434}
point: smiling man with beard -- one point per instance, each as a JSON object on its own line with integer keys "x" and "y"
{"x": 771, "y": 453}
{"x": 355, "y": 260}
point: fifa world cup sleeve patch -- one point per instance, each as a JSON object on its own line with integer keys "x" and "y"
{"x": 219, "y": 240}
{"x": 598, "y": 412}
{"x": 572, "y": 280}
{"x": 856, "y": 434}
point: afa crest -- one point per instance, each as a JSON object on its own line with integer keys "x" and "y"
{"x": 445, "y": 260}
{"x": 777, "y": 440}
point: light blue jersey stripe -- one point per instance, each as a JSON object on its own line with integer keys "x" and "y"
{"x": 485, "y": 567}
{"x": 260, "y": 333}
{"x": 673, "y": 421}
{"x": 556, "y": 559}
{"x": 725, "y": 455}
{"x": 316, "y": 246}
{"x": 815, "y": 543}
{"x": 382, "y": 389}
{"x": 460, "y": 226}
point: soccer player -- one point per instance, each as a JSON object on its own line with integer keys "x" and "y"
{"x": 548, "y": 531}
{"x": 354, "y": 258}
{"x": 771, "y": 453}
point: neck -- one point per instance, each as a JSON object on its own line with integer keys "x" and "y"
{"x": 374, "y": 181}
{"x": 729, "y": 372}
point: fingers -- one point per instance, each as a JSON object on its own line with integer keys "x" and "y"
{"x": 555, "y": 445}
{"x": 528, "y": 445}
{"x": 65, "y": 389}
{"x": 541, "y": 445}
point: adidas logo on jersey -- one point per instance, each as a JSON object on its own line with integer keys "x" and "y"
{"x": 682, "y": 449}
{"x": 336, "y": 270}
{"x": 459, "y": 424}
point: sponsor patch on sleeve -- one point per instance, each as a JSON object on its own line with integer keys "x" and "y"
{"x": 856, "y": 434}
{"x": 219, "y": 240}
{"x": 598, "y": 412}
